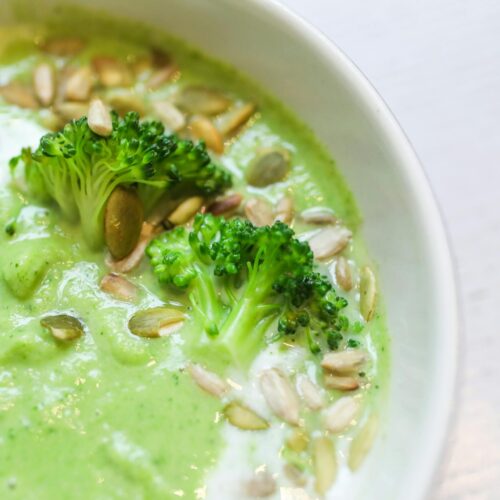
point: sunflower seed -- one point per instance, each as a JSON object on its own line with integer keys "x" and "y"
{"x": 197, "y": 99}
{"x": 259, "y": 212}
{"x": 44, "y": 83}
{"x": 19, "y": 95}
{"x": 284, "y": 210}
{"x": 161, "y": 76}
{"x": 341, "y": 414}
{"x": 63, "y": 327}
{"x": 325, "y": 464}
{"x": 295, "y": 475}
{"x": 64, "y": 46}
{"x": 71, "y": 110}
{"x": 119, "y": 287}
{"x": 123, "y": 102}
{"x": 343, "y": 273}
{"x": 233, "y": 120}
{"x": 362, "y": 443}
{"x": 79, "y": 84}
{"x": 293, "y": 494}
{"x": 169, "y": 115}
{"x": 202, "y": 128}
{"x": 186, "y": 210}
{"x": 280, "y": 395}
{"x": 208, "y": 381}
{"x": 329, "y": 241}
{"x": 226, "y": 205}
{"x": 261, "y": 485}
{"x": 244, "y": 418}
{"x": 111, "y": 72}
{"x": 344, "y": 362}
{"x": 341, "y": 383}
{"x": 319, "y": 215}
{"x": 310, "y": 393}
{"x": 368, "y": 293}
{"x": 155, "y": 322}
{"x": 99, "y": 119}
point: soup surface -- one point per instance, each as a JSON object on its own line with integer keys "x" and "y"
{"x": 112, "y": 413}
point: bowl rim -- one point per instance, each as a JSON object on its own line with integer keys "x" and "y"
{"x": 426, "y": 470}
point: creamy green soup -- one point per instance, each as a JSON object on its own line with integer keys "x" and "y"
{"x": 114, "y": 415}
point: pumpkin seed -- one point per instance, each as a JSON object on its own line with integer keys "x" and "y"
{"x": 339, "y": 383}
{"x": 99, "y": 119}
{"x": 71, "y": 110}
{"x": 186, "y": 210}
{"x": 280, "y": 395}
{"x": 197, "y": 99}
{"x": 368, "y": 293}
{"x": 19, "y": 95}
{"x": 319, "y": 215}
{"x": 325, "y": 464}
{"x": 284, "y": 210}
{"x": 244, "y": 418}
{"x": 298, "y": 441}
{"x": 64, "y": 46}
{"x": 79, "y": 84}
{"x": 259, "y": 212}
{"x": 329, "y": 241}
{"x": 341, "y": 414}
{"x": 271, "y": 165}
{"x": 44, "y": 83}
{"x": 261, "y": 485}
{"x": 169, "y": 115}
{"x": 226, "y": 205}
{"x": 161, "y": 76}
{"x": 362, "y": 443}
{"x": 132, "y": 260}
{"x": 123, "y": 102}
{"x": 208, "y": 381}
{"x": 63, "y": 326}
{"x": 123, "y": 220}
{"x": 119, "y": 287}
{"x": 229, "y": 123}
{"x": 310, "y": 393}
{"x": 111, "y": 72}
{"x": 155, "y": 322}
{"x": 202, "y": 128}
{"x": 343, "y": 273}
{"x": 344, "y": 362}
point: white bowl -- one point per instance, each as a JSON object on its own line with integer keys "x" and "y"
{"x": 403, "y": 228}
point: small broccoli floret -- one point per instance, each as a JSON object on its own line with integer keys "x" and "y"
{"x": 79, "y": 170}
{"x": 241, "y": 279}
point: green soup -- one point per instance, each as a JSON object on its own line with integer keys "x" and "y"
{"x": 111, "y": 414}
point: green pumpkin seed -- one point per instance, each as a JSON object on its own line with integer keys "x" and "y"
{"x": 269, "y": 166}
{"x": 63, "y": 327}
{"x": 123, "y": 222}
{"x": 368, "y": 293}
{"x": 155, "y": 322}
{"x": 197, "y": 99}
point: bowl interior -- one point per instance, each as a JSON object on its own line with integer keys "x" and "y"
{"x": 402, "y": 226}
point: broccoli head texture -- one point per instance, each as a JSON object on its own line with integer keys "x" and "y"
{"x": 79, "y": 169}
{"x": 248, "y": 285}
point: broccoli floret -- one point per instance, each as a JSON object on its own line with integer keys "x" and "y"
{"x": 79, "y": 169}
{"x": 242, "y": 279}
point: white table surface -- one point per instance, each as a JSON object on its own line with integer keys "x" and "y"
{"x": 437, "y": 65}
